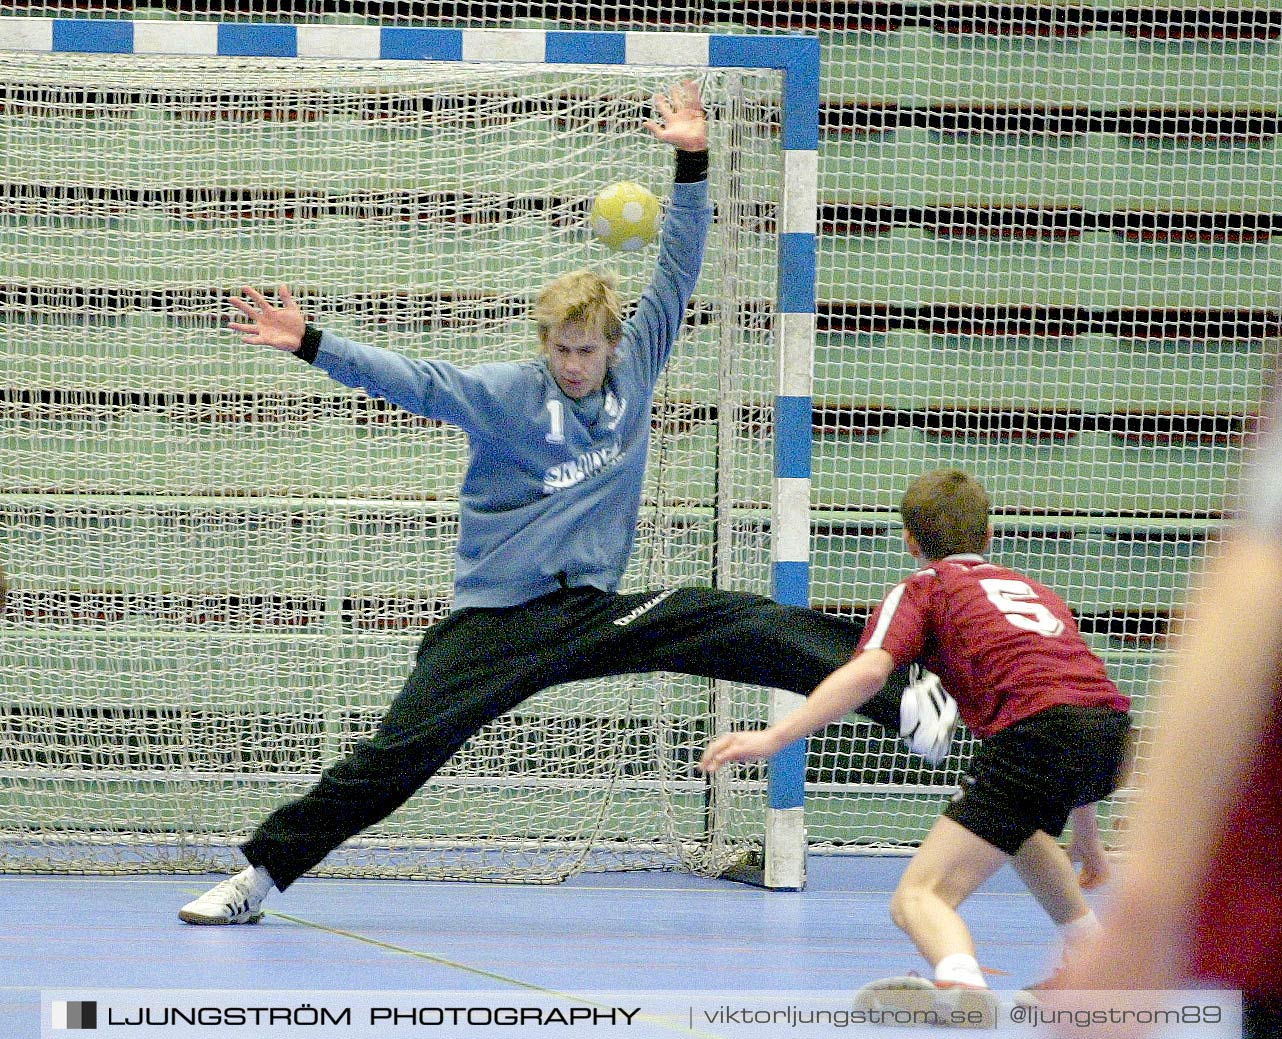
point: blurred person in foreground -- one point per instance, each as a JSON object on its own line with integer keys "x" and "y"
{"x": 1198, "y": 901}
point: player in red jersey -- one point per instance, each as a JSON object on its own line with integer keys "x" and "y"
{"x": 1199, "y": 898}
{"x": 1052, "y": 725}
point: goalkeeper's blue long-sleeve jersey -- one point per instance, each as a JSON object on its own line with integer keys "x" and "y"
{"x": 553, "y": 485}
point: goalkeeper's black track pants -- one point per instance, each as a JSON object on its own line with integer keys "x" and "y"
{"x": 480, "y": 663}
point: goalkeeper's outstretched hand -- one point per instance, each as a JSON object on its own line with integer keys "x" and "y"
{"x": 682, "y": 122}
{"x": 280, "y": 327}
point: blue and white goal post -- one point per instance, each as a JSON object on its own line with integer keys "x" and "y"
{"x": 790, "y": 61}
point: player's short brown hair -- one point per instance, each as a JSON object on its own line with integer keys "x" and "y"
{"x": 947, "y": 512}
{"x": 583, "y": 297}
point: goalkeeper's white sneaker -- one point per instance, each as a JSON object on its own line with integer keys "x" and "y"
{"x": 237, "y": 900}
{"x": 927, "y": 716}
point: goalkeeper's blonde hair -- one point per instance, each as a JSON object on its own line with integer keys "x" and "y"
{"x": 587, "y": 298}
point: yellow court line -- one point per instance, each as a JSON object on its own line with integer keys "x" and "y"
{"x": 417, "y": 954}
{"x": 467, "y": 969}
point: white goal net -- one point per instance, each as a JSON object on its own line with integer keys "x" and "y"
{"x": 1048, "y": 252}
{"x": 222, "y": 561}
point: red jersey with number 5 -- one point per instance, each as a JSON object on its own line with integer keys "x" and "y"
{"x": 1005, "y": 646}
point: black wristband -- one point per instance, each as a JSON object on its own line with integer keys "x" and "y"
{"x": 691, "y": 166}
{"x": 310, "y": 345}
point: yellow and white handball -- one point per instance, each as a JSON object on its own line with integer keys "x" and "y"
{"x": 626, "y": 217}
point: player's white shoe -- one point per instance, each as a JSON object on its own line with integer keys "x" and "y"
{"x": 237, "y": 900}
{"x": 966, "y": 1006}
{"x": 927, "y": 716}
{"x": 907, "y": 992}
{"x": 909, "y": 999}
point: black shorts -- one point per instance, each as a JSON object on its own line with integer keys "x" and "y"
{"x": 1031, "y": 775}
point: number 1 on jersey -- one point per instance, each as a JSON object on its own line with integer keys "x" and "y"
{"x": 556, "y": 416}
